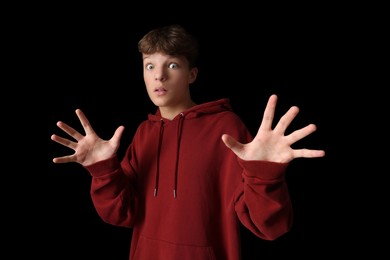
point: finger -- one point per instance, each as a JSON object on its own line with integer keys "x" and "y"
{"x": 69, "y": 130}
{"x": 301, "y": 133}
{"x": 269, "y": 113}
{"x": 286, "y": 120}
{"x": 118, "y": 134}
{"x": 308, "y": 153}
{"x": 84, "y": 122}
{"x": 65, "y": 159}
{"x": 63, "y": 141}
{"x": 231, "y": 143}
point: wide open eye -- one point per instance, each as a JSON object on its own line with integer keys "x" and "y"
{"x": 173, "y": 66}
{"x": 149, "y": 66}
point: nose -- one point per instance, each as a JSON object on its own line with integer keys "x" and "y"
{"x": 160, "y": 74}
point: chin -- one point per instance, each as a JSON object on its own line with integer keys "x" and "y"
{"x": 158, "y": 102}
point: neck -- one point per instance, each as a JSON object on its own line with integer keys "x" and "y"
{"x": 171, "y": 112}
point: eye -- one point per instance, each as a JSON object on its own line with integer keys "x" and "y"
{"x": 173, "y": 66}
{"x": 149, "y": 66}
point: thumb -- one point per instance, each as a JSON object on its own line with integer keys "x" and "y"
{"x": 231, "y": 143}
{"x": 117, "y": 135}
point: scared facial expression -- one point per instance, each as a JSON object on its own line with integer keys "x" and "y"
{"x": 167, "y": 79}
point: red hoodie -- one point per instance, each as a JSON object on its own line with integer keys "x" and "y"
{"x": 184, "y": 192}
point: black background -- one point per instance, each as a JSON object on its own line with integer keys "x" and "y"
{"x": 91, "y": 62}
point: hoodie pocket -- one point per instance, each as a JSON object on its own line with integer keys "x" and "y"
{"x": 153, "y": 249}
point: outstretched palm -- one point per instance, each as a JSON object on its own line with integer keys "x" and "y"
{"x": 88, "y": 149}
{"x": 271, "y": 144}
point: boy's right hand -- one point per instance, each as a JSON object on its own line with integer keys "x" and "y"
{"x": 90, "y": 148}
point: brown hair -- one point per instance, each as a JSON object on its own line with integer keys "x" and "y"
{"x": 172, "y": 40}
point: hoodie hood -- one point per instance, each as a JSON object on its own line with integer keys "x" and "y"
{"x": 197, "y": 111}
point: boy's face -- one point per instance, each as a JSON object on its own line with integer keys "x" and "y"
{"x": 167, "y": 79}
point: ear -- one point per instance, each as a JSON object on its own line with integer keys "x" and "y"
{"x": 193, "y": 74}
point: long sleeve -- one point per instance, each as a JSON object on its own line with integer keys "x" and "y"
{"x": 112, "y": 192}
{"x": 262, "y": 202}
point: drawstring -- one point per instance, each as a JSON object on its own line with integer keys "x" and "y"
{"x": 179, "y": 131}
{"x": 177, "y": 153}
{"x": 158, "y": 156}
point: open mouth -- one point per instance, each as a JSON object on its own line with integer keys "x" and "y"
{"x": 160, "y": 91}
